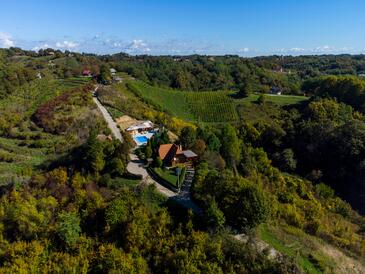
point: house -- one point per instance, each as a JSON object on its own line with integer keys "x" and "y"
{"x": 172, "y": 154}
{"x": 144, "y": 126}
{"x": 86, "y": 73}
{"x": 113, "y": 71}
{"x": 275, "y": 90}
{"x": 117, "y": 79}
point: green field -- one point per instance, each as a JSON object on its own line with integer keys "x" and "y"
{"x": 277, "y": 99}
{"x": 207, "y": 106}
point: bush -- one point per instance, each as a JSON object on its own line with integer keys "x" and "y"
{"x": 324, "y": 191}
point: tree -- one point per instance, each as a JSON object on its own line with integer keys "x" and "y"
{"x": 68, "y": 227}
{"x": 252, "y": 207}
{"x": 105, "y": 76}
{"x": 94, "y": 154}
{"x": 199, "y": 147}
{"x": 215, "y": 216}
{"x": 117, "y": 167}
{"x": 187, "y": 137}
{"x": 231, "y": 144}
{"x": 214, "y": 143}
{"x": 116, "y": 212}
{"x": 287, "y": 160}
{"x": 245, "y": 89}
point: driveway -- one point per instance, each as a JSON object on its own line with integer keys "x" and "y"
{"x": 136, "y": 166}
{"x": 108, "y": 118}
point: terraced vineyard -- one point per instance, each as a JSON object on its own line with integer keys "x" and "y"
{"x": 74, "y": 82}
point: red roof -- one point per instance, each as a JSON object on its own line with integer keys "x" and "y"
{"x": 86, "y": 72}
{"x": 168, "y": 151}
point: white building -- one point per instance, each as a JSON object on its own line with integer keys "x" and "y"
{"x": 143, "y": 126}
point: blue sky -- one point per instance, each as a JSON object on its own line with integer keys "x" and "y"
{"x": 247, "y": 28}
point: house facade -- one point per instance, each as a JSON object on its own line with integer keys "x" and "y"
{"x": 172, "y": 154}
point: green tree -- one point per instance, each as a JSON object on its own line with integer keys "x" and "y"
{"x": 245, "y": 89}
{"x": 68, "y": 227}
{"x": 105, "y": 76}
{"x": 231, "y": 146}
{"x": 117, "y": 212}
{"x": 215, "y": 216}
{"x": 214, "y": 143}
{"x": 287, "y": 160}
{"x": 187, "y": 137}
{"x": 117, "y": 167}
{"x": 94, "y": 154}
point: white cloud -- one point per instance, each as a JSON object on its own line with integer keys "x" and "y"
{"x": 44, "y": 46}
{"x": 244, "y": 50}
{"x": 137, "y": 46}
{"x": 66, "y": 44}
{"x": 6, "y": 40}
{"x": 297, "y": 49}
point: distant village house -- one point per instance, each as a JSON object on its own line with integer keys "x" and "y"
{"x": 113, "y": 71}
{"x": 86, "y": 73}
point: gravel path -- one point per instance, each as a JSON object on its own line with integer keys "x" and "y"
{"x": 111, "y": 124}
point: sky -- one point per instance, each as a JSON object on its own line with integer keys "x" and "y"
{"x": 180, "y": 27}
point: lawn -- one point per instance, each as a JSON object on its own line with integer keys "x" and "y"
{"x": 281, "y": 100}
{"x": 167, "y": 174}
{"x": 123, "y": 182}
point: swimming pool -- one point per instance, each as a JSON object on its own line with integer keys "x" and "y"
{"x": 141, "y": 139}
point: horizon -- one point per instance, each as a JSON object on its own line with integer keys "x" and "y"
{"x": 158, "y": 28}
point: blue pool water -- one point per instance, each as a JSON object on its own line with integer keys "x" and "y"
{"x": 141, "y": 139}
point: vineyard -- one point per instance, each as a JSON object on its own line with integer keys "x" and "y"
{"x": 191, "y": 106}
{"x": 168, "y": 100}
{"x": 204, "y": 106}
{"x": 211, "y": 106}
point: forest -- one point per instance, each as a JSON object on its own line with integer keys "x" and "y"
{"x": 282, "y": 169}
